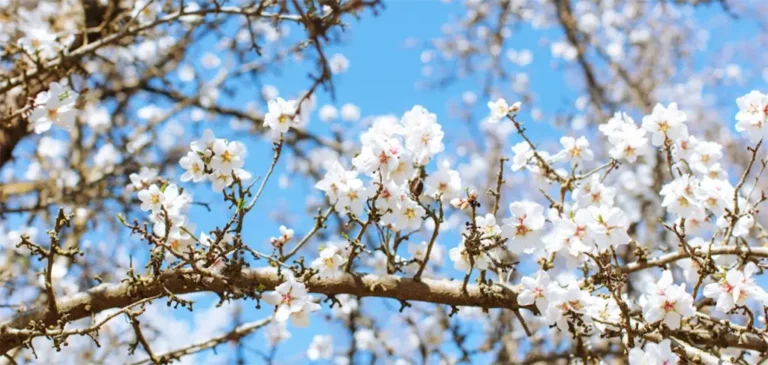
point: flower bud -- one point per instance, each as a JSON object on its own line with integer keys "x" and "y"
{"x": 417, "y": 186}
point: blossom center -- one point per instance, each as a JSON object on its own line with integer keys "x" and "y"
{"x": 53, "y": 114}
{"x": 329, "y": 263}
{"x": 383, "y": 158}
{"x": 227, "y": 156}
{"x": 575, "y": 152}
{"x": 669, "y": 306}
{"x": 287, "y": 298}
{"x": 629, "y": 151}
{"x": 580, "y": 231}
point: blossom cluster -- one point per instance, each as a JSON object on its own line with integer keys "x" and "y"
{"x": 391, "y": 179}
{"x": 386, "y": 180}
{"x": 167, "y": 206}
{"x": 215, "y": 159}
{"x": 393, "y": 155}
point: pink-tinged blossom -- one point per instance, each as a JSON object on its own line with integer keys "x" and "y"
{"x": 735, "y": 287}
{"x": 291, "y": 300}
{"x": 523, "y": 228}
{"x": 534, "y": 290}
{"x": 668, "y": 303}
{"x": 571, "y": 232}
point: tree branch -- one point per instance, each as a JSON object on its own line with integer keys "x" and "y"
{"x": 182, "y": 281}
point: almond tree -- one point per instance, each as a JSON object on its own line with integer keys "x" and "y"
{"x": 638, "y": 238}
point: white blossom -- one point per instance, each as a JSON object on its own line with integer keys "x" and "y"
{"x": 666, "y": 124}
{"x": 666, "y": 302}
{"x": 55, "y": 106}
{"x": 734, "y": 288}
{"x": 534, "y": 291}
{"x": 654, "y": 354}
{"x": 291, "y": 301}
{"x": 523, "y": 229}
{"x": 282, "y": 115}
